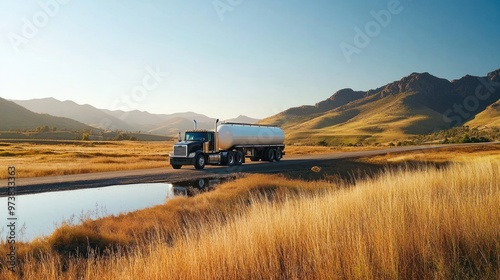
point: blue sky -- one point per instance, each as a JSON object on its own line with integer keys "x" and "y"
{"x": 228, "y": 57}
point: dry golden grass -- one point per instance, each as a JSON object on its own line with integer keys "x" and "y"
{"x": 62, "y": 158}
{"x": 79, "y": 157}
{"x": 446, "y": 154}
{"x": 427, "y": 224}
{"x": 293, "y": 150}
{"x": 356, "y": 168}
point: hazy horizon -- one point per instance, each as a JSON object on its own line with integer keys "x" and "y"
{"x": 83, "y": 104}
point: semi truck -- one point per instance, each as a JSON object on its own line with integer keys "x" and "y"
{"x": 229, "y": 144}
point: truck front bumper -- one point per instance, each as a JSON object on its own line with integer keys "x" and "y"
{"x": 181, "y": 161}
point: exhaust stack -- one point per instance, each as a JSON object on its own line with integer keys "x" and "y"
{"x": 195, "y": 124}
{"x": 216, "y": 135}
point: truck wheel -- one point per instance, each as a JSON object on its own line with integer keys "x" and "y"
{"x": 230, "y": 158}
{"x": 278, "y": 154}
{"x": 238, "y": 158}
{"x": 264, "y": 155}
{"x": 176, "y": 166}
{"x": 201, "y": 184}
{"x": 270, "y": 155}
{"x": 200, "y": 162}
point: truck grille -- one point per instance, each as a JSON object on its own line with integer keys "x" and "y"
{"x": 180, "y": 151}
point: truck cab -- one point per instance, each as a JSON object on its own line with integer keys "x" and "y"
{"x": 195, "y": 143}
{"x": 201, "y": 137}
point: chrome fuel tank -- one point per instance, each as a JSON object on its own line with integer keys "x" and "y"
{"x": 232, "y": 134}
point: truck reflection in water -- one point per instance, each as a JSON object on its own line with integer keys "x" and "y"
{"x": 194, "y": 187}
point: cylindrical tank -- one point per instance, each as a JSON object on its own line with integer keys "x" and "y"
{"x": 248, "y": 134}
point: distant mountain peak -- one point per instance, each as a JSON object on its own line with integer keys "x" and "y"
{"x": 417, "y": 78}
{"x": 339, "y": 98}
{"x": 494, "y": 75}
{"x": 417, "y": 75}
{"x": 418, "y": 82}
{"x": 243, "y": 119}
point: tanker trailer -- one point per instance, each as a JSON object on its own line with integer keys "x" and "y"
{"x": 229, "y": 144}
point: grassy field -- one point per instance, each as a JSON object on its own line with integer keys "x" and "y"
{"x": 52, "y": 158}
{"x": 443, "y": 155}
{"x": 350, "y": 170}
{"x": 439, "y": 219}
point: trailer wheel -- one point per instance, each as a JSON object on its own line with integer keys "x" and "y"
{"x": 278, "y": 154}
{"x": 238, "y": 158}
{"x": 230, "y": 158}
{"x": 200, "y": 162}
{"x": 176, "y": 166}
{"x": 270, "y": 155}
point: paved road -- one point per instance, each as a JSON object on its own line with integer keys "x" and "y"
{"x": 92, "y": 180}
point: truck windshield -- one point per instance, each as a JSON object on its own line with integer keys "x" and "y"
{"x": 195, "y": 136}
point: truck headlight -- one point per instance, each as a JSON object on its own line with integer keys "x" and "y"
{"x": 191, "y": 155}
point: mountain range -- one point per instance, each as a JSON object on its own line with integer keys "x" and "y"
{"x": 90, "y": 116}
{"x": 16, "y": 117}
{"x": 419, "y": 103}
